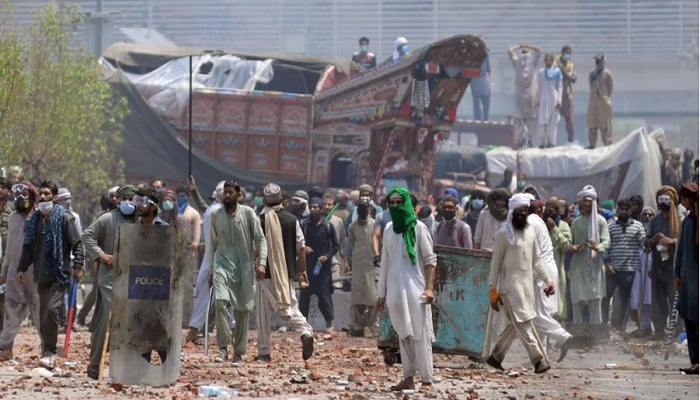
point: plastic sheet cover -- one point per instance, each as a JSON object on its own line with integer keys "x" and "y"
{"x": 167, "y": 88}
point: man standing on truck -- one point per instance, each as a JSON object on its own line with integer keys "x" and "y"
{"x": 525, "y": 58}
{"x": 406, "y": 279}
{"x": 363, "y": 57}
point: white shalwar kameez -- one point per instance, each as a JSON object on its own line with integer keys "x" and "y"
{"x": 201, "y": 288}
{"x": 548, "y": 97}
{"x": 546, "y": 306}
{"x": 401, "y": 284}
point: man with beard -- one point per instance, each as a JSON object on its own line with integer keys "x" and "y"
{"x": 452, "y": 231}
{"x": 20, "y": 299}
{"x": 274, "y": 290}
{"x": 364, "y": 271}
{"x": 201, "y": 298}
{"x": 560, "y": 235}
{"x": 99, "y": 239}
{"x": 146, "y": 202}
{"x": 322, "y": 245}
{"x": 621, "y": 262}
{"x": 514, "y": 262}
{"x": 589, "y": 238}
{"x": 50, "y": 239}
{"x": 406, "y": 283}
{"x": 491, "y": 218}
{"x": 238, "y": 242}
{"x": 662, "y": 235}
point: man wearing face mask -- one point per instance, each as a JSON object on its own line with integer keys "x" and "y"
{"x": 560, "y": 235}
{"x": 98, "y": 239}
{"x": 400, "y": 49}
{"x": 168, "y": 205}
{"x": 321, "y": 246}
{"x": 452, "y": 231}
{"x": 476, "y": 204}
{"x": 661, "y": 238}
{"x": 525, "y": 58}
{"x": 364, "y": 271}
{"x": 599, "y": 116}
{"x": 20, "y": 299}
{"x": 363, "y": 57}
{"x": 566, "y": 65}
{"x": 491, "y": 218}
{"x": 50, "y": 240}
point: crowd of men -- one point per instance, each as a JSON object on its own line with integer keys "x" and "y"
{"x": 591, "y": 261}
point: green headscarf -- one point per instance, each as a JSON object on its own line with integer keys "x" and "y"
{"x": 404, "y": 220}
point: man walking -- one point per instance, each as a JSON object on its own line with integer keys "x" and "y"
{"x": 406, "y": 282}
{"x": 274, "y": 291}
{"x": 621, "y": 262}
{"x": 322, "y": 245}
{"x": 364, "y": 271}
{"x": 99, "y": 239}
{"x": 20, "y": 299}
{"x": 514, "y": 261}
{"x": 238, "y": 243}
{"x": 49, "y": 241}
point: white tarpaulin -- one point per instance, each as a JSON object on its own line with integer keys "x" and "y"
{"x": 628, "y": 167}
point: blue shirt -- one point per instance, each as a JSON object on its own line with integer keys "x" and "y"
{"x": 481, "y": 85}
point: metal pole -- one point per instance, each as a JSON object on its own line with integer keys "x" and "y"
{"x": 189, "y": 147}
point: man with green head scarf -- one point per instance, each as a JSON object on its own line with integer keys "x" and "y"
{"x": 406, "y": 278}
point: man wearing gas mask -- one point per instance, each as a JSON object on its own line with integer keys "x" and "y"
{"x": 98, "y": 239}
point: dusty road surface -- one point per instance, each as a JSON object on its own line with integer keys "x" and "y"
{"x": 353, "y": 368}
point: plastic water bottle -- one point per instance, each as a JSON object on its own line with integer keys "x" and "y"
{"x": 317, "y": 267}
{"x": 216, "y": 391}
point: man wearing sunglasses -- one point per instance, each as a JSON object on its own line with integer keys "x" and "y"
{"x": 98, "y": 239}
{"x": 49, "y": 241}
{"x": 20, "y": 299}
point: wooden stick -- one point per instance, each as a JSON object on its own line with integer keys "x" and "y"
{"x": 100, "y": 372}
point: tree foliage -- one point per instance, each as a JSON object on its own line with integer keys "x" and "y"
{"x": 58, "y": 119}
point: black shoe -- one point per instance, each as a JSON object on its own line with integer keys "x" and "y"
{"x": 263, "y": 358}
{"x": 564, "y": 349}
{"x": 495, "y": 363}
{"x": 356, "y": 333}
{"x": 542, "y": 366}
{"x": 92, "y": 374}
{"x": 693, "y": 370}
{"x": 307, "y": 347}
{"x": 222, "y": 356}
{"x": 237, "y": 360}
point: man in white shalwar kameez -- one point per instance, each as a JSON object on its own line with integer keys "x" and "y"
{"x": 406, "y": 278}
{"x": 546, "y": 306}
{"x": 514, "y": 259}
{"x": 549, "y": 89}
{"x": 525, "y": 59}
{"x": 201, "y": 288}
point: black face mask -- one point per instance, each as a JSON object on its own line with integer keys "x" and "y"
{"x": 448, "y": 215}
{"x": 22, "y": 204}
{"x": 664, "y": 206}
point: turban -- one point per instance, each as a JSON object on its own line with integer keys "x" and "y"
{"x": 218, "y": 192}
{"x": 126, "y": 190}
{"x": 587, "y": 191}
{"x": 519, "y": 200}
{"x": 452, "y": 192}
{"x": 608, "y": 204}
{"x": 272, "y": 193}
